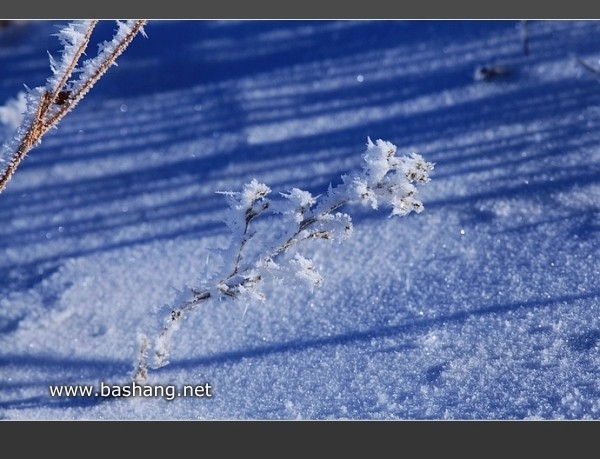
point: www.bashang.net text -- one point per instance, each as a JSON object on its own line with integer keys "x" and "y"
{"x": 168, "y": 392}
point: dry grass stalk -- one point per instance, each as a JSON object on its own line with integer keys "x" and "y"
{"x": 56, "y": 102}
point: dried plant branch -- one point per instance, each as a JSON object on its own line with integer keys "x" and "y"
{"x": 385, "y": 179}
{"x": 104, "y": 65}
{"x": 61, "y": 94}
{"x": 594, "y": 71}
{"x": 72, "y": 64}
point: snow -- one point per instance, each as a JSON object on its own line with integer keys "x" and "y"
{"x": 484, "y": 305}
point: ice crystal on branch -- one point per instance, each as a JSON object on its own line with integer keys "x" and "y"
{"x": 301, "y": 200}
{"x": 69, "y": 83}
{"x": 307, "y": 270}
{"x": 390, "y": 180}
{"x": 253, "y": 256}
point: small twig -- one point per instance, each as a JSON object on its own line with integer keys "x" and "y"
{"x": 588, "y": 67}
{"x": 384, "y": 180}
{"x": 69, "y": 71}
{"x": 56, "y": 102}
{"x": 304, "y": 225}
{"x": 161, "y": 353}
{"x": 76, "y": 96}
{"x": 141, "y": 372}
{"x": 490, "y": 72}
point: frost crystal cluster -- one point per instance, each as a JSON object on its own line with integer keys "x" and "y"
{"x": 255, "y": 254}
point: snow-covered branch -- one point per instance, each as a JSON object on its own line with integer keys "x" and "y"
{"x": 46, "y": 105}
{"x": 386, "y": 180}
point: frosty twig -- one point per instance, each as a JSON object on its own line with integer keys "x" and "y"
{"x": 47, "y": 105}
{"x": 385, "y": 180}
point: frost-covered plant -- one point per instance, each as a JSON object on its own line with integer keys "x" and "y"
{"x": 386, "y": 180}
{"x": 45, "y": 106}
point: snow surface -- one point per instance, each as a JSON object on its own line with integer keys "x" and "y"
{"x": 483, "y": 306}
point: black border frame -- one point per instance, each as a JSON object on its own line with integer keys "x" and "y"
{"x": 358, "y": 437}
